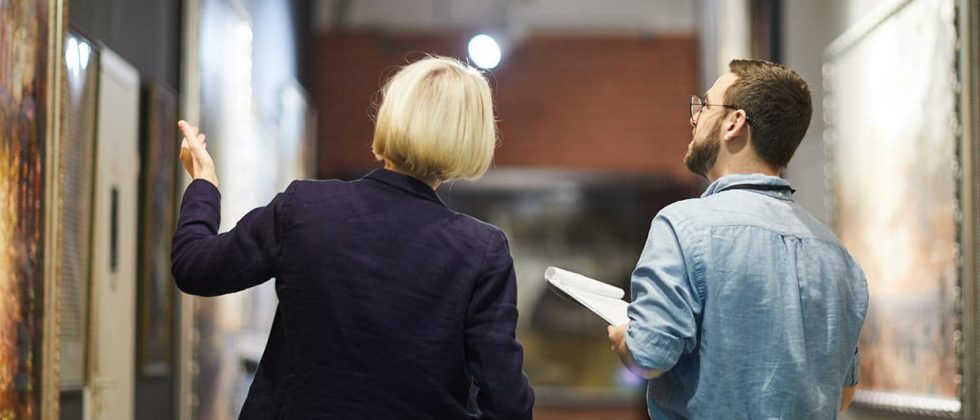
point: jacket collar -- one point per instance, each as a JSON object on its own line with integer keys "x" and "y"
{"x": 405, "y": 183}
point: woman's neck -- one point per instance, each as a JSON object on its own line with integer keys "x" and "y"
{"x": 389, "y": 165}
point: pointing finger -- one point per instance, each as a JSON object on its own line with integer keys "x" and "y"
{"x": 187, "y": 130}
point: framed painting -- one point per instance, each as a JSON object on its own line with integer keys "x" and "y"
{"x": 76, "y": 167}
{"x": 893, "y": 141}
{"x": 30, "y": 51}
{"x": 969, "y": 28}
{"x": 115, "y": 226}
{"x": 158, "y": 216}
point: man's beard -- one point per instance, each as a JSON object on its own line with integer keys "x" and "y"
{"x": 703, "y": 154}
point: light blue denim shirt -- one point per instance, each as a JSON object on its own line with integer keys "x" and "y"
{"x": 750, "y": 306}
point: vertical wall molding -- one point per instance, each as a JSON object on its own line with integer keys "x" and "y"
{"x": 190, "y": 110}
{"x": 50, "y": 356}
{"x": 969, "y": 58}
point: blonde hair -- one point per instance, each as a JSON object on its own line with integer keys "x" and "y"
{"x": 436, "y": 121}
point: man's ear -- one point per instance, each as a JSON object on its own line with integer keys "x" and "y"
{"x": 734, "y": 125}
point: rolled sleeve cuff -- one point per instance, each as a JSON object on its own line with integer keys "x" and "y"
{"x": 652, "y": 349}
{"x": 854, "y": 372}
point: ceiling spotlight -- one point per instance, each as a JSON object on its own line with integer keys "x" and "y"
{"x": 484, "y": 51}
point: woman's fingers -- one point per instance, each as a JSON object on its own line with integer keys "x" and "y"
{"x": 192, "y": 135}
{"x": 194, "y": 154}
{"x": 186, "y": 129}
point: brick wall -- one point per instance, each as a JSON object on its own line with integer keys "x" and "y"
{"x": 616, "y": 103}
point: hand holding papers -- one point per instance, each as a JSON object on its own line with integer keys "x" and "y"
{"x": 604, "y": 299}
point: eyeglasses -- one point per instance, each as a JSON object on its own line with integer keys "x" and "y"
{"x": 698, "y": 103}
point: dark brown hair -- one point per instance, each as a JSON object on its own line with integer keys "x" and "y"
{"x": 777, "y": 103}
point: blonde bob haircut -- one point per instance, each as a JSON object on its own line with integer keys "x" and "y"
{"x": 436, "y": 121}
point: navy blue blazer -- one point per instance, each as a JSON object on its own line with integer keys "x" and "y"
{"x": 391, "y": 305}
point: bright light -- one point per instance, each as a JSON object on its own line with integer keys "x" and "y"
{"x": 71, "y": 55}
{"x": 484, "y": 51}
{"x": 83, "y": 53}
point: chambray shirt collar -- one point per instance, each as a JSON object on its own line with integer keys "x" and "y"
{"x": 405, "y": 183}
{"x": 749, "y": 179}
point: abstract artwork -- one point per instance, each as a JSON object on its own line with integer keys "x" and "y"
{"x": 158, "y": 218}
{"x": 893, "y": 146}
{"x": 23, "y": 63}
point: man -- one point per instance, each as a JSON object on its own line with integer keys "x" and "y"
{"x": 744, "y": 306}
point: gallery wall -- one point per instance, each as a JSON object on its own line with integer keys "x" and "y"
{"x": 609, "y": 103}
{"x": 144, "y": 32}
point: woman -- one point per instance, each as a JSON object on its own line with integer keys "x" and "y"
{"x": 391, "y": 305}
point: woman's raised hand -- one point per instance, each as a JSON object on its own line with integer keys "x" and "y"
{"x": 194, "y": 154}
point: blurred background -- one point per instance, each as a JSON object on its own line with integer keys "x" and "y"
{"x": 592, "y": 105}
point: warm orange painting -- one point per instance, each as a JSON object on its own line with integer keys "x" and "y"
{"x": 23, "y": 42}
{"x": 893, "y": 120}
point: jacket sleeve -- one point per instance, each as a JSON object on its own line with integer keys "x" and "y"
{"x": 494, "y": 356}
{"x": 206, "y": 263}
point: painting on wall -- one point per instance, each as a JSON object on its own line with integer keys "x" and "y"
{"x": 76, "y": 168}
{"x": 23, "y": 80}
{"x": 893, "y": 164}
{"x": 158, "y": 216}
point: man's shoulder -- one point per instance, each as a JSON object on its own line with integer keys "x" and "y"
{"x": 691, "y": 212}
{"x": 784, "y": 217}
{"x": 684, "y": 207}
